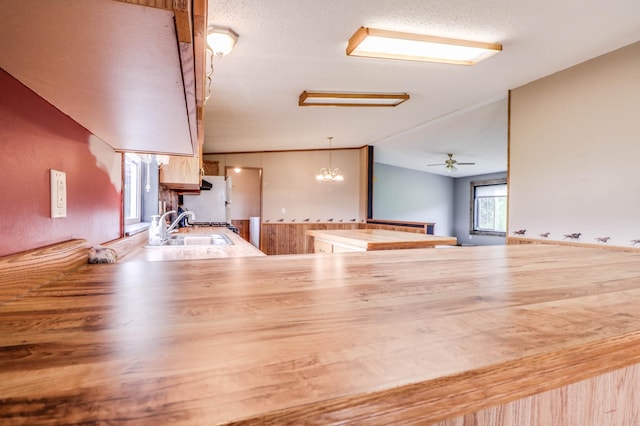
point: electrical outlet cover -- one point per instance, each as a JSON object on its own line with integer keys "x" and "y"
{"x": 58, "y": 193}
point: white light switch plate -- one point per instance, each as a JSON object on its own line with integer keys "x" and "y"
{"x": 58, "y": 193}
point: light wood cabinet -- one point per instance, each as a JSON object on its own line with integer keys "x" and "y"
{"x": 345, "y": 249}
{"x": 211, "y": 168}
{"x": 322, "y": 246}
{"x": 181, "y": 173}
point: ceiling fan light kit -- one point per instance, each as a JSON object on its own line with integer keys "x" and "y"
{"x": 351, "y": 99}
{"x": 375, "y": 43}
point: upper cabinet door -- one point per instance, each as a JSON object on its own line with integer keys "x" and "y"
{"x": 118, "y": 69}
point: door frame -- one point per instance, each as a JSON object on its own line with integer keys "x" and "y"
{"x": 230, "y": 171}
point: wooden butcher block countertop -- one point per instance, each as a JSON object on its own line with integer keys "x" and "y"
{"x": 382, "y": 337}
{"x": 381, "y": 239}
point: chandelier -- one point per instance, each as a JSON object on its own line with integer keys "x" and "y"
{"x": 330, "y": 175}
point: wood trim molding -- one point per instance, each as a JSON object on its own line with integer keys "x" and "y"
{"x": 400, "y": 222}
{"x": 398, "y": 225}
{"x": 28, "y": 270}
{"x": 279, "y": 151}
{"x": 199, "y": 48}
{"x": 370, "y": 177}
{"x": 158, "y": 4}
{"x": 124, "y": 246}
{"x": 523, "y": 240}
{"x": 181, "y": 10}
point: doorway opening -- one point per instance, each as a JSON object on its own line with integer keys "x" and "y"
{"x": 244, "y": 194}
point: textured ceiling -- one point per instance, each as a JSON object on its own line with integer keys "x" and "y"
{"x": 287, "y": 46}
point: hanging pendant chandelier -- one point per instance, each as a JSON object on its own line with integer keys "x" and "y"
{"x": 330, "y": 175}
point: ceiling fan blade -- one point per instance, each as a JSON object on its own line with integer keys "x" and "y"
{"x": 450, "y": 164}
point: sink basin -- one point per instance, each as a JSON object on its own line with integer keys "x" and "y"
{"x": 182, "y": 240}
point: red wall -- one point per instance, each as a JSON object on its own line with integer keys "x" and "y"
{"x": 36, "y": 137}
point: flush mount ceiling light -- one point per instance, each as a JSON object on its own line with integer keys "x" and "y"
{"x": 221, "y": 40}
{"x": 373, "y": 43}
{"x": 346, "y": 99}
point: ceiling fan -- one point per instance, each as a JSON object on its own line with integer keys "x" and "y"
{"x": 450, "y": 164}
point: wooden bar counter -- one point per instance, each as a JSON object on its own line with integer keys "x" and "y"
{"x": 341, "y": 240}
{"x": 384, "y": 337}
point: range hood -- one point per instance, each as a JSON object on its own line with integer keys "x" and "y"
{"x": 205, "y": 185}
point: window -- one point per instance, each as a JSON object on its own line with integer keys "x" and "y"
{"x": 489, "y": 207}
{"x": 132, "y": 189}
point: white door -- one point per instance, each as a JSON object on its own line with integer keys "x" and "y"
{"x": 228, "y": 200}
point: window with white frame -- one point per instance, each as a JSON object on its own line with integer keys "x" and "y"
{"x": 489, "y": 207}
{"x": 132, "y": 189}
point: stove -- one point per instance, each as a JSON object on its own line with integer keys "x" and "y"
{"x": 219, "y": 224}
{"x": 209, "y": 223}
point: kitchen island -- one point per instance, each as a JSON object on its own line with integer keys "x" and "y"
{"x": 382, "y": 337}
{"x": 345, "y": 240}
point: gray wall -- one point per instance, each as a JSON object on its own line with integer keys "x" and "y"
{"x": 411, "y": 195}
{"x": 461, "y": 207}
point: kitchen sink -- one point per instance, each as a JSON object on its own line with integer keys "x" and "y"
{"x": 181, "y": 240}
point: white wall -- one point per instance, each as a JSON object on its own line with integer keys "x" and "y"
{"x": 288, "y": 182}
{"x": 462, "y": 211}
{"x": 411, "y": 195}
{"x": 575, "y": 151}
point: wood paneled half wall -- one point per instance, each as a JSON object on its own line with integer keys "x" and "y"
{"x": 291, "y": 238}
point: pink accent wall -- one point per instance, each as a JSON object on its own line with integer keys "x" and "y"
{"x": 36, "y": 137}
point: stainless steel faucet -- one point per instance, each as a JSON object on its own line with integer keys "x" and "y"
{"x": 175, "y": 222}
{"x": 158, "y": 229}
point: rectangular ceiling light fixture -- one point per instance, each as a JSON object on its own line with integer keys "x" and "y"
{"x": 373, "y": 43}
{"x": 346, "y": 99}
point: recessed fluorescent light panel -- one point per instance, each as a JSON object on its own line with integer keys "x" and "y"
{"x": 346, "y": 99}
{"x": 373, "y": 43}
